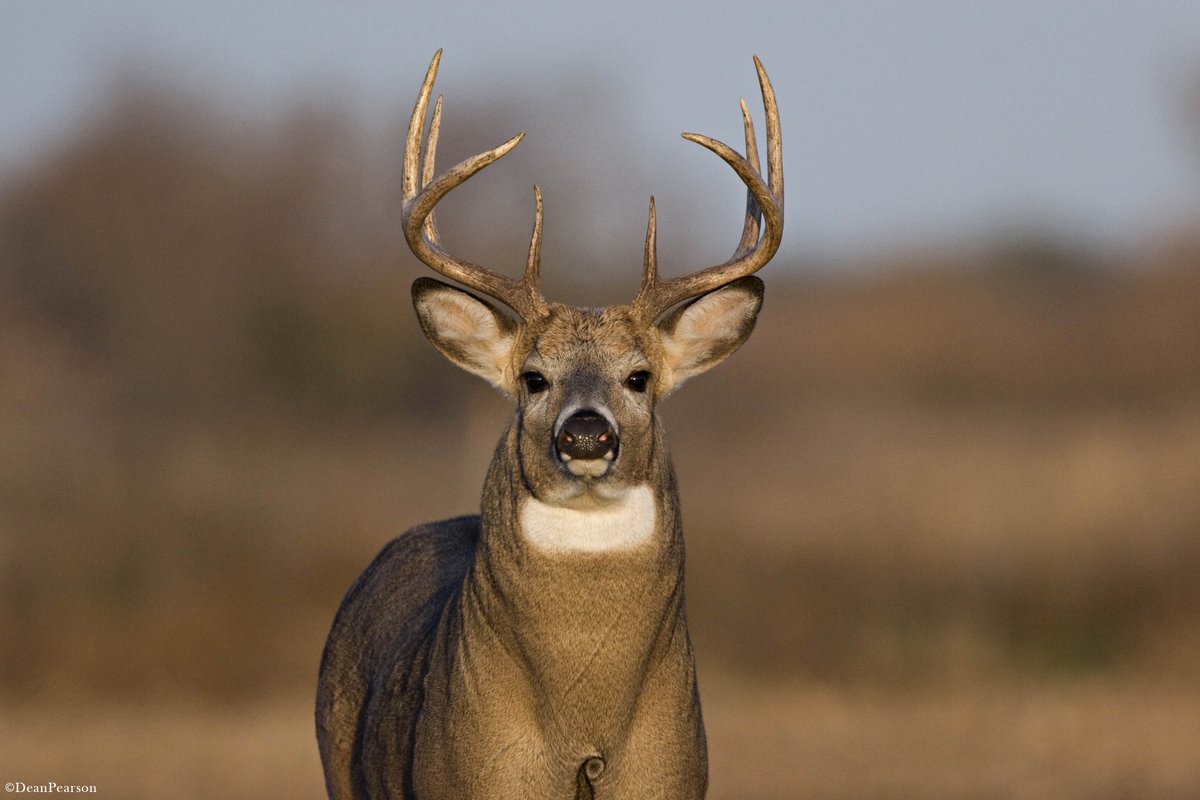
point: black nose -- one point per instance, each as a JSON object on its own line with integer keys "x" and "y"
{"x": 586, "y": 435}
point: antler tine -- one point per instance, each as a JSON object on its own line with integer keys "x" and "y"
{"x": 650, "y": 273}
{"x": 421, "y": 192}
{"x": 751, "y": 227}
{"x": 533, "y": 264}
{"x": 431, "y": 142}
{"x": 764, "y": 201}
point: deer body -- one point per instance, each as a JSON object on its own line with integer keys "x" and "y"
{"x": 540, "y": 650}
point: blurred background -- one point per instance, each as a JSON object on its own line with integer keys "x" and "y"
{"x": 943, "y": 510}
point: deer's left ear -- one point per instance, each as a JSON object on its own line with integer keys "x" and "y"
{"x": 706, "y": 331}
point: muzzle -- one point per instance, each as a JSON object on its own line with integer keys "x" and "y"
{"x": 586, "y": 436}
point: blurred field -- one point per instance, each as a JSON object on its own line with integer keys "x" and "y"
{"x": 1089, "y": 741}
{"x": 943, "y": 511}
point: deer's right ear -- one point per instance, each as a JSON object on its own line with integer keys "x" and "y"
{"x": 467, "y": 330}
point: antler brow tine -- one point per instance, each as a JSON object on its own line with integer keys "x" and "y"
{"x": 421, "y": 192}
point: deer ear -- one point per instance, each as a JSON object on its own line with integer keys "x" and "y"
{"x": 706, "y": 331}
{"x": 468, "y": 331}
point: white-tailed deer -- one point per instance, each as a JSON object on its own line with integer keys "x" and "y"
{"x": 540, "y": 650}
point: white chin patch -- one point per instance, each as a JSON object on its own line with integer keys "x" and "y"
{"x": 623, "y": 524}
{"x": 589, "y": 468}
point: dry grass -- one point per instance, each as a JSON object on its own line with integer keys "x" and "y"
{"x": 155, "y": 751}
{"x": 1089, "y": 741}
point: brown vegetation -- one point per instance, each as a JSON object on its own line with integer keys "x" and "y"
{"x": 942, "y": 515}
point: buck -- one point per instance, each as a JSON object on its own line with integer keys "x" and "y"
{"x": 540, "y": 649}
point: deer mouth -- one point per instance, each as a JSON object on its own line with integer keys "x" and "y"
{"x": 589, "y": 468}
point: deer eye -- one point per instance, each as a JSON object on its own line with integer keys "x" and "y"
{"x": 638, "y": 381}
{"x": 535, "y": 382}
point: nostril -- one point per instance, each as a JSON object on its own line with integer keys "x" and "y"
{"x": 586, "y": 435}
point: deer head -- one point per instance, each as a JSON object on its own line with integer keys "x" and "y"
{"x": 586, "y": 381}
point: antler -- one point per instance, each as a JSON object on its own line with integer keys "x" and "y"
{"x": 763, "y": 199}
{"x": 421, "y": 192}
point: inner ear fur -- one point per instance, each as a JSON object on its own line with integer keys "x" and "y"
{"x": 469, "y": 331}
{"x": 703, "y": 333}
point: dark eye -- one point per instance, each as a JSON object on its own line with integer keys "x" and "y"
{"x": 638, "y": 381}
{"x": 535, "y": 382}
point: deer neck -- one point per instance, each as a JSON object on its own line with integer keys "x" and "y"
{"x": 582, "y": 603}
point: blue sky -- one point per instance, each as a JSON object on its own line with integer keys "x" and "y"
{"x": 905, "y": 123}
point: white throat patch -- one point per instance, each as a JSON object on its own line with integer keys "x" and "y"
{"x": 624, "y": 525}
